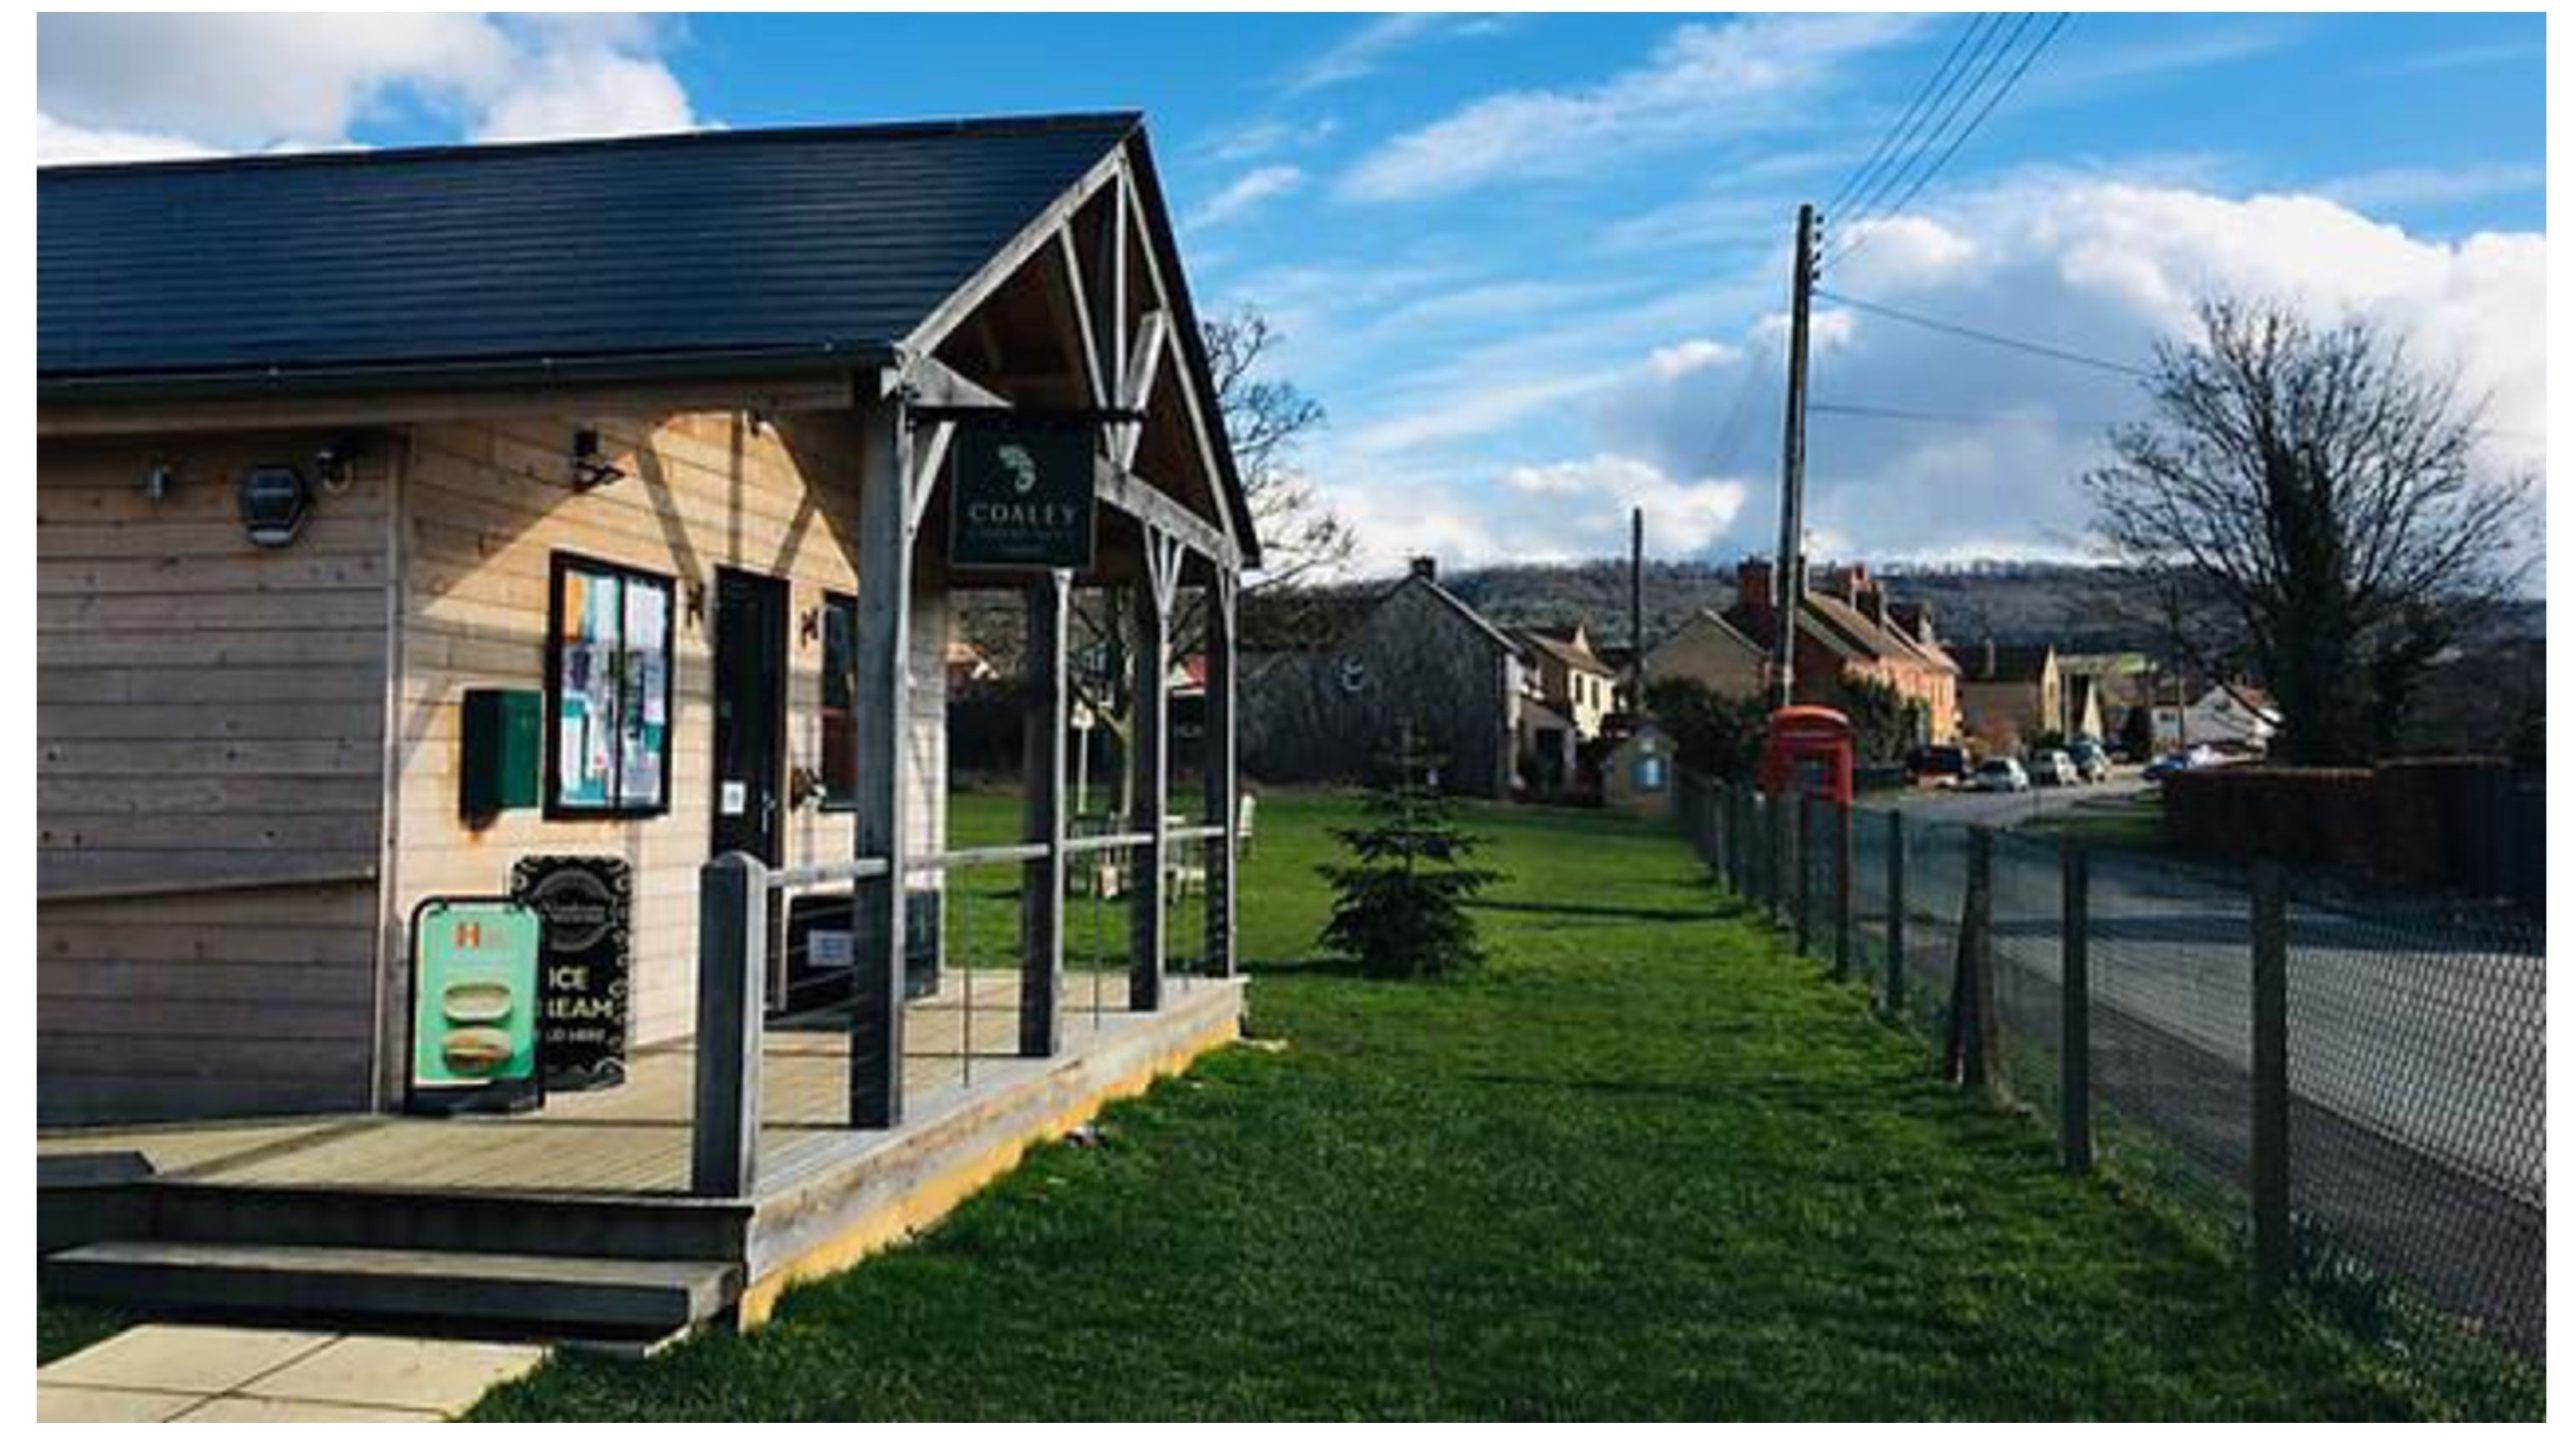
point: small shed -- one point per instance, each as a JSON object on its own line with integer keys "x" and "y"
{"x": 1635, "y": 777}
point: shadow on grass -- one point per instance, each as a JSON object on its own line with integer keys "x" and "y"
{"x": 1610, "y": 911}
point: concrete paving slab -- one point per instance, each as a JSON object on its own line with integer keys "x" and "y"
{"x": 399, "y": 1372}
{"x": 236, "y": 1409}
{"x": 201, "y": 1360}
{"x": 108, "y": 1403}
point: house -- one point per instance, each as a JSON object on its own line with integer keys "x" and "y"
{"x": 2230, "y": 716}
{"x": 420, "y": 529}
{"x": 1844, "y": 629}
{"x": 1570, "y": 677}
{"x": 2009, "y": 695}
{"x": 1714, "y": 654}
{"x": 1324, "y": 681}
{"x": 2098, "y": 690}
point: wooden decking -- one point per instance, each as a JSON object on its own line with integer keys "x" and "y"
{"x": 635, "y": 1139}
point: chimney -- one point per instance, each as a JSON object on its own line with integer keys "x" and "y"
{"x": 1427, "y": 567}
{"x": 1870, "y": 597}
{"x": 1754, "y": 576}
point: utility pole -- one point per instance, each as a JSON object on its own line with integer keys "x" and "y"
{"x": 1790, "y": 579}
{"x": 1635, "y": 602}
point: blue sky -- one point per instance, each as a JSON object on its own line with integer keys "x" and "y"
{"x": 1530, "y": 264}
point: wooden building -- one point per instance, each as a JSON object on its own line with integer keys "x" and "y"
{"x": 652, "y": 434}
{"x": 1325, "y": 682}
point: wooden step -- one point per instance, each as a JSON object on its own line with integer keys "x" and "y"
{"x": 538, "y": 1296}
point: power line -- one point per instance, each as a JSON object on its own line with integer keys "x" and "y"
{"x": 1897, "y": 414}
{"x": 1979, "y": 70}
{"x": 1867, "y": 169}
{"x": 1969, "y": 126}
{"x": 1978, "y": 117}
{"x": 1988, "y": 338}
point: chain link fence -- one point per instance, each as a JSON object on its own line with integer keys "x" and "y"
{"x": 2347, "y": 1095}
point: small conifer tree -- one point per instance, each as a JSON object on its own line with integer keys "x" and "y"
{"x": 1396, "y": 906}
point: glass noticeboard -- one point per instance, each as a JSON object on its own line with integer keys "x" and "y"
{"x": 611, "y": 689}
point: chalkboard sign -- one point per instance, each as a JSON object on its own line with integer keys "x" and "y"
{"x": 585, "y": 907}
{"x": 1022, "y": 492}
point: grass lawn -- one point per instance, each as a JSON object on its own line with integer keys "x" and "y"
{"x": 1645, "y": 1164}
{"x": 62, "y": 1328}
{"x": 2137, "y": 823}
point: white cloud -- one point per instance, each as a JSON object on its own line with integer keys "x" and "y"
{"x": 1244, "y": 193}
{"x": 1589, "y": 498}
{"x": 2405, "y": 186}
{"x": 1677, "y": 360}
{"x": 131, "y": 86}
{"x": 1987, "y": 459}
{"x": 61, "y": 144}
{"x": 1702, "y": 81}
{"x": 1367, "y": 47}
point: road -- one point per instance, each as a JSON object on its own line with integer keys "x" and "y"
{"x": 2417, "y": 1041}
{"x": 2007, "y": 810}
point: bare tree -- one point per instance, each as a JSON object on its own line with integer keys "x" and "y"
{"x": 1303, "y": 539}
{"x": 2305, "y": 509}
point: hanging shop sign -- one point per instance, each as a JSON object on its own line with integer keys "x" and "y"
{"x": 1022, "y": 491}
{"x": 475, "y": 991}
{"x": 585, "y": 905}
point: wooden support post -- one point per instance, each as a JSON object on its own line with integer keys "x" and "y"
{"x": 1154, "y": 617}
{"x": 1842, "y": 932}
{"x": 1220, "y": 772}
{"x": 1970, "y": 1028}
{"x": 1894, "y": 863}
{"x": 728, "y": 1030}
{"x": 1803, "y": 847}
{"x": 2077, "y": 1143}
{"x": 882, "y": 619}
{"x": 1044, "y": 880}
{"x": 2270, "y": 1089}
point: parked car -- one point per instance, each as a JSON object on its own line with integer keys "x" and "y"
{"x": 2051, "y": 768}
{"x": 2203, "y": 755}
{"x": 1940, "y": 766}
{"x": 1999, "y": 775}
{"x": 2090, "y": 757}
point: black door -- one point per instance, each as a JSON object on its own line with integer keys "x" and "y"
{"x": 746, "y": 734}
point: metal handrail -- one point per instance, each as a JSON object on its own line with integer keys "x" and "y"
{"x": 848, "y": 870}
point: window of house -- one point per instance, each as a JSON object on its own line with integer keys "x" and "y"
{"x": 611, "y": 690}
{"x": 835, "y": 704}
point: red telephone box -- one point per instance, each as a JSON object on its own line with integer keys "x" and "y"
{"x": 1809, "y": 750}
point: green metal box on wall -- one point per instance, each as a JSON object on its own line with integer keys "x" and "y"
{"x": 501, "y": 750}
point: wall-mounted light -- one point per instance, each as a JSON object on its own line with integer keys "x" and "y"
{"x": 588, "y": 469}
{"x": 159, "y": 480}
{"x": 274, "y": 501}
{"x": 809, "y": 626}
{"x": 334, "y": 465}
{"x": 693, "y": 603}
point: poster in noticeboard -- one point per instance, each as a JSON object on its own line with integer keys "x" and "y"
{"x": 474, "y": 999}
{"x": 611, "y": 705}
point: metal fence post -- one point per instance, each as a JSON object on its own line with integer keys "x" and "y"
{"x": 728, "y": 1040}
{"x": 1893, "y": 865}
{"x": 1804, "y": 873}
{"x": 1765, "y": 816}
{"x": 2270, "y": 1088}
{"x": 2077, "y": 1150}
{"x": 1841, "y": 821}
{"x": 1970, "y": 1047}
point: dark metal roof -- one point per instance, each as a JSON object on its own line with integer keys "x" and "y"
{"x": 782, "y": 243}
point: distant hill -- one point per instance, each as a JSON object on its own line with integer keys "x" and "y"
{"x": 2073, "y": 608}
